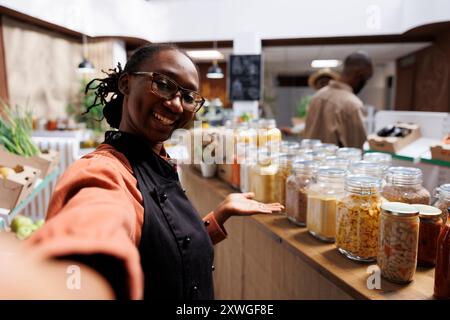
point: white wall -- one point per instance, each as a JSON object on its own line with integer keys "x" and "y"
{"x": 196, "y": 20}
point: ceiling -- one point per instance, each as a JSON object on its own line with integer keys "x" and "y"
{"x": 300, "y": 57}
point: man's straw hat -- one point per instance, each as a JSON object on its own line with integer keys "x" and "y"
{"x": 325, "y": 72}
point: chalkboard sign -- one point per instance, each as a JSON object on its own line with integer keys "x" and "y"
{"x": 245, "y": 77}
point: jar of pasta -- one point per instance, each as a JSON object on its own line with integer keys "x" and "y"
{"x": 429, "y": 229}
{"x": 404, "y": 184}
{"x": 297, "y": 191}
{"x": 398, "y": 241}
{"x": 321, "y": 206}
{"x": 358, "y": 216}
{"x": 352, "y": 154}
{"x": 442, "y": 194}
{"x": 284, "y": 171}
{"x": 262, "y": 180}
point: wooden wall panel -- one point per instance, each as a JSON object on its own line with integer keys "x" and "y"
{"x": 214, "y": 88}
{"x": 423, "y": 78}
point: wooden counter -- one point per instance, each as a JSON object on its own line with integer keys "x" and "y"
{"x": 267, "y": 257}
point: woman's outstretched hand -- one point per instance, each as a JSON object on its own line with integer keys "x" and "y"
{"x": 242, "y": 204}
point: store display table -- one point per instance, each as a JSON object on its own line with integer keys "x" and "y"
{"x": 267, "y": 257}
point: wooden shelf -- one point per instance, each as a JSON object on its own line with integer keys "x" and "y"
{"x": 267, "y": 257}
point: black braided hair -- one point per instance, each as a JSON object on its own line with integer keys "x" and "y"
{"x": 107, "y": 93}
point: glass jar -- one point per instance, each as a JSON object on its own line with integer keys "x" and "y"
{"x": 385, "y": 159}
{"x": 398, "y": 241}
{"x": 352, "y": 154}
{"x": 297, "y": 191}
{"x": 289, "y": 147}
{"x": 357, "y": 217}
{"x": 429, "y": 229}
{"x": 322, "y": 199}
{"x": 442, "y": 194}
{"x": 441, "y": 273}
{"x": 404, "y": 184}
{"x": 246, "y": 163}
{"x": 245, "y": 135}
{"x": 307, "y": 154}
{"x": 335, "y": 162}
{"x": 329, "y": 148}
{"x": 268, "y": 132}
{"x": 284, "y": 171}
{"x": 309, "y": 143}
{"x": 262, "y": 180}
{"x": 367, "y": 168}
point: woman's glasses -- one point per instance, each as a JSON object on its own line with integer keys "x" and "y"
{"x": 166, "y": 88}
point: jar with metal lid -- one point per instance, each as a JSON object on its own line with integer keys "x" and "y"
{"x": 245, "y": 135}
{"x": 336, "y": 162}
{"x": 442, "y": 194}
{"x": 398, "y": 241}
{"x": 352, "y": 154}
{"x": 357, "y": 217}
{"x": 284, "y": 171}
{"x": 385, "y": 159}
{"x": 321, "y": 206}
{"x": 429, "y": 230}
{"x": 404, "y": 184}
{"x": 262, "y": 180}
{"x": 329, "y": 148}
{"x": 289, "y": 147}
{"x": 246, "y": 162}
{"x": 368, "y": 168}
{"x": 309, "y": 143}
{"x": 307, "y": 154}
{"x": 297, "y": 191}
{"x": 441, "y": 273}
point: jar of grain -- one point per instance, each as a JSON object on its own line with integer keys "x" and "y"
{"x": 398, "y": 241}
{"x": 404, "y": 184}
{"x": 284, "y": 171}
{"x": 358, "y": 216}
{"x": 297, "y": 191}
{"x": 262, "y": 179}
{"x": 321, "y": 205}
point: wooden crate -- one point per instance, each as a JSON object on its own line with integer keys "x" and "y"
{"x": 17, "y": 186}
{"x": 394, "y": 144}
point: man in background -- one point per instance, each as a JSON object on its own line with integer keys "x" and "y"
{"x": 316, "y": 81}
{"x": 335, "y": 113}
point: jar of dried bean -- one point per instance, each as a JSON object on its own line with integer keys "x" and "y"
{"x": 442, "y": 194}
{"x": 321, "y": 206}
{"x": 430, "y": 227}
{"x": 297, "y": 191}
{"x": 404, "y": 184}
{"x": 398, "y": 241}
{"x": 358, "y": 216}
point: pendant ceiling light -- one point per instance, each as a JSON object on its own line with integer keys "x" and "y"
{"x": 214, "y": 72}
{"x": 85, "y": 65}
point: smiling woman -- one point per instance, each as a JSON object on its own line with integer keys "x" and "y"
{"x": 121, "y": 210}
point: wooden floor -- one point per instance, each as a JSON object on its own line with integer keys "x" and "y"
{"x": 267, "y": 257}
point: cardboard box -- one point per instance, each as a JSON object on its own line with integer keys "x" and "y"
{"x": 394, "y": 144}
{"x": 45, "y": 162}
{"x": 16, "y": 186}
{"x": 440, "y": 152}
